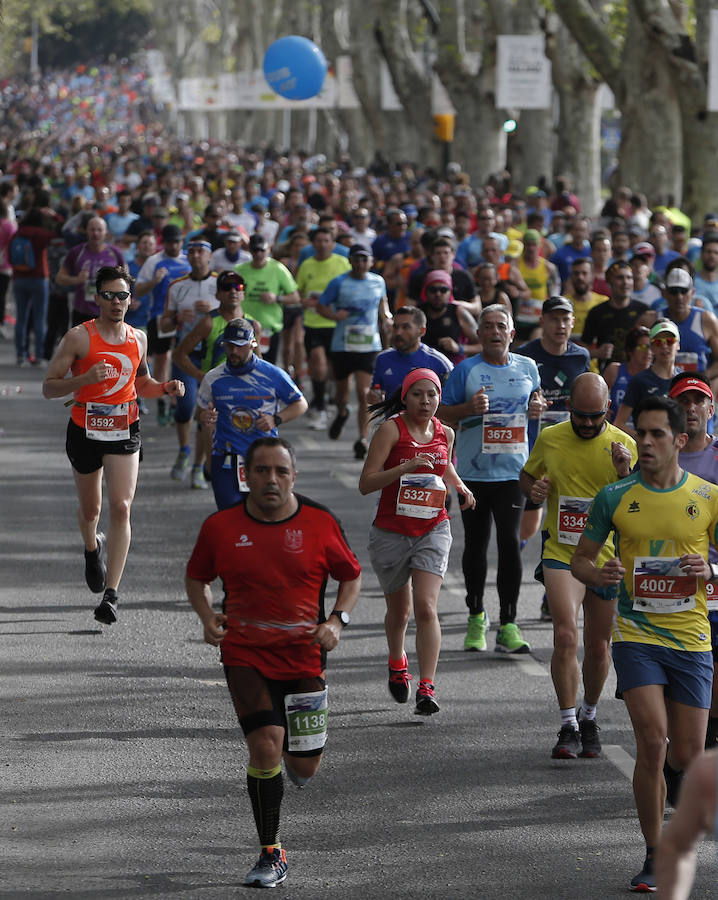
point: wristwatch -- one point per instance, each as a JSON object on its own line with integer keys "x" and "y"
{"x": 714, "y": 572}
{"x": 342, "y": 616}
{"x": 277, "y": 419}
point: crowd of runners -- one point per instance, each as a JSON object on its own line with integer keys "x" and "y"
{"x": 554, "y": 370}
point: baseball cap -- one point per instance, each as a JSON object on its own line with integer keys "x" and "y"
{"x": 159, "y": 212}
{"x": 258, "y": 242}
{"x": 232, "y": 236}
{"x": 359, "y": 250}
{"x": 665, "y": 326}
{"x": 239, "y": 332}
{"x": 532, "y": 235}
{"x": 514, "y": 248}
{"x": 690, "y": 384}
{"x": 410, "y": 210}
{"x": 227, "y": 278}
{"x": 171, "y": 233}
{"x": 557, "y": 302}
{"x": 679, "y": 278}
{"x": 644, "y": 249}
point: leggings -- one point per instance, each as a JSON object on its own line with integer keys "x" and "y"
{"x": 503, "y": 501}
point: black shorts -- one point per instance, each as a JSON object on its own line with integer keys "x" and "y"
{"x": 277, "y": 715}
{"x": 318, "y": 337}
{"x": 291, "y": 314}
{"x": 346, "y": 362}
{"x": 156, "y": 344}
{"x": 86, "y": 454}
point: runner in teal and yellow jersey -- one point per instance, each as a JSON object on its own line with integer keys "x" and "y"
{"x": 664, "y": 519}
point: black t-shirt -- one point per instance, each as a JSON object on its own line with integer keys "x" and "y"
{"x": 607, "y": 325}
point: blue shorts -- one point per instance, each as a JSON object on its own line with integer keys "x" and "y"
{"x": 687, "y": 676}
{"x": 609, "y": 592}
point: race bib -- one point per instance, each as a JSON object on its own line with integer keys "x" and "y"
{"x": 306, "y": 720}
{"x": 505, "y": 433}
{"x": 553, "y": 417}
{"x": 358, "y": 338}
{"x": 242, "y": 476}
{"x": 529, "y": 311}
{"x": 107, "y": 421}
{"x": 572, "y": 515}
{"x": 661, "y": 586}
{"x": 421, "y": 495}
{"x": 711, "y": 597}
{"x": 687, "y": 361}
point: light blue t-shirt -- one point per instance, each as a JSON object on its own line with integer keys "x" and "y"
{"x": 509, "y": 389}
{"x": 708, "y": 290}
{"x": 360, "y": 332}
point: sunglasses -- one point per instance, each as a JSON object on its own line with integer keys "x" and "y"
{"x": 669, "y": 339}
{"x": 588, "y": 415}
{"x": 111, "y": 295}
{"x": 437, "y": 290}
{"x": 676, "y": 290}
{"x": 642, "y": 348}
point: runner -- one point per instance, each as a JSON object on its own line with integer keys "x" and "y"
{"x": 664, "y": 519}
{"x": 108, "y": 361}
{"x": 569, "y": 463}
{"x": 242, "y": 399}
{"x": 409, "y": 461}
{"x": 274, "y": 653}
{"x": 492, "y": 395}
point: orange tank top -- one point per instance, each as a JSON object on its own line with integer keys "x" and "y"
{"x": 120, "y": 386}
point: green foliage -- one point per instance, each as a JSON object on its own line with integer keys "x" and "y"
{"x": 73, "y": 31}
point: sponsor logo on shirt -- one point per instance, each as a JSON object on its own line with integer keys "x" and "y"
{"x": 634, "y": 507}
{"x": 693, "y": 510}
{"x": 293, "y": 540}
{"x": 702, "y": 491}
{"x": 244, "y": 541}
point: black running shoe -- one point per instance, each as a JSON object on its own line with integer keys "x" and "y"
{"x": 590, "y": 742}
{"x": 426, "y": 704}
{"x": 335, "y": 429}
{"x": 568, "y": 745}
{"x": 359, "y": 449}
{"x": 645, "y": 881}
{"x": 399, "y": 684}
{"x": 95, "y": 567}
{"x": 106, "y": 612}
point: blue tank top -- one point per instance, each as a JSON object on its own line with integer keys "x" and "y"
{"x": 693, "y": 353}
{"x": 618, "y": 390}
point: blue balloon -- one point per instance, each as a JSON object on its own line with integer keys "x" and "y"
{"x": 295, "y": 67}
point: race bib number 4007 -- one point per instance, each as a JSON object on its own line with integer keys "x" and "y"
{"x": 661, "y": 586}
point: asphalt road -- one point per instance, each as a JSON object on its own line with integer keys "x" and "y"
{"x": 124, "y": 769}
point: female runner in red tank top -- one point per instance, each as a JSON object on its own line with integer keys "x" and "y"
{"x": 409, "y": 461}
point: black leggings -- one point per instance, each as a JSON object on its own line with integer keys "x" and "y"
{"x": 503, "y": 501}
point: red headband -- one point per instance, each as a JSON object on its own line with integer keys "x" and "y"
{"x": 419, "y": 375}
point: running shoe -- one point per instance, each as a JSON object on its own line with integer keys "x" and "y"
{"x": 106, "y": 612}
{"x": 645, "y": 881}
{"x": 335, "y": 429}
{"x": 319, "y": 422}
{"x": 180, "y": 470}
{"x": 270, "y": 870}
{"x": 476, "y": 632}
{"x": 199, "y": 482}
{"x": 568, "y": 744}
{"x": 164, "y": 412}
{"x": 359, "y": 449}
{"x": 95, "y": 568}
{"x": 590, "y": 742}
{"x": 712, "y": 733}
{"x": 509, "y": 640}
{"x": 399, "y": 682}
{"x": 426, "y": 704}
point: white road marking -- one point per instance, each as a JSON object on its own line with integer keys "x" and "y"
{"x": 622, "y": 760}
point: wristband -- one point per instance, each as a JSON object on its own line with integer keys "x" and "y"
{"x": 714, "y": 572}
{"x": 164, "y": 386}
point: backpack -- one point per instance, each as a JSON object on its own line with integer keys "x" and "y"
{"x": 22, "y": 254}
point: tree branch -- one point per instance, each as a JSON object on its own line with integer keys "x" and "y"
{"x": 589, "y": 32}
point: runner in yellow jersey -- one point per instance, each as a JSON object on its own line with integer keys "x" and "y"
{"x": 664, "y": 519}
{"x": 569, "y": 463}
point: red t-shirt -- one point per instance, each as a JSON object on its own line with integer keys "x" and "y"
{"x": 411, "y": 513}
{"x": 274, "y": 575}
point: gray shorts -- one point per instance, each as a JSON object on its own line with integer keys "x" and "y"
{"x": 394, "y": 555}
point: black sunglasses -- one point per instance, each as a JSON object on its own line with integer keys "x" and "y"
{"x": 437, "y": 290}
{"x": 110, "y": 295}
